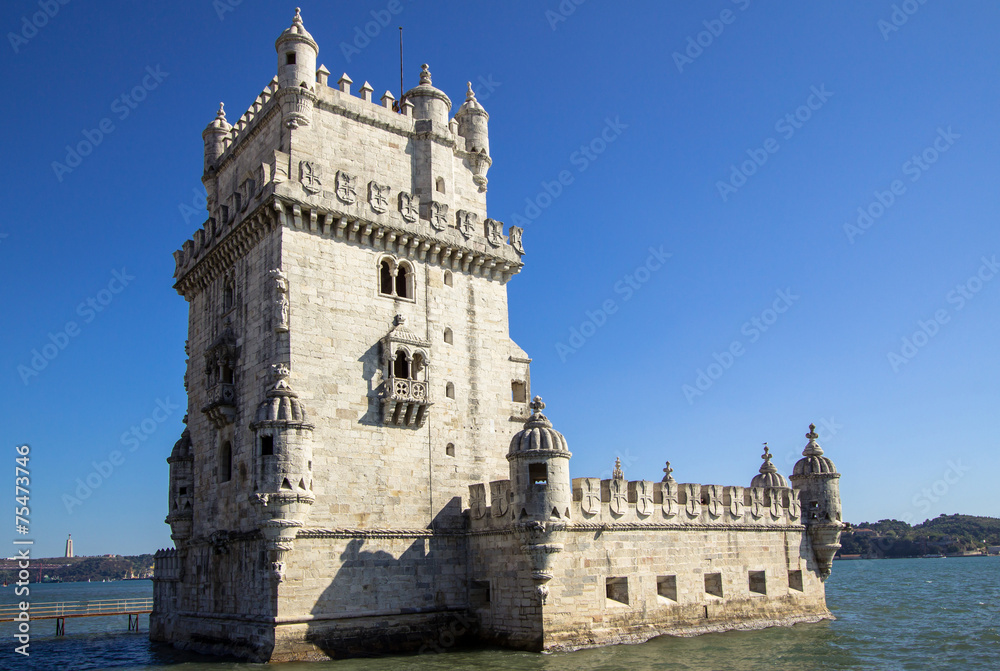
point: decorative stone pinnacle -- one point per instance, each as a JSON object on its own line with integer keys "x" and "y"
{"x": 470, "y": 94}
{"x": 667, "y": 477}
{"x": 536, "y": 405}
{"x": 298, "y": 16}
{"x": 812, "y": 448}
{"x": 617, "y": 473}
{"x": 221, "y": 114}
{"x": 767, "y": 466}
{"x": 425, "y": 74}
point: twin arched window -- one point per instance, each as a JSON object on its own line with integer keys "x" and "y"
{"x": 405, "y": 368}
{"x": 395, "y": 279}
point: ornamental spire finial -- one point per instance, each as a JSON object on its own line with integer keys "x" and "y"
{"x": 812, "y": 448}
{"x": 221, "y": 114}
{"x": 667, "y": 477}
{"x": 617, "y": 474}
{"x": 425, "y": 74}
{"x": 536, "y": 405}
{"x": 470, "y": 95}
{"x": 298, "y": 16}
{"x": 767, "y": 466}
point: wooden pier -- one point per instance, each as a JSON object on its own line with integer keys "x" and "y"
{"x": 60, "y": 611}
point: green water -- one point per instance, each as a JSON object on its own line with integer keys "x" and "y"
{"x": 919, "y": 614}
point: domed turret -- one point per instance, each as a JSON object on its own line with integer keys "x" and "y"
{"x": 181, "y": 462}
{"x": 214, "y": 136}
{"x": 472, "y": 125}
{"x": 297, "y": 52}
{"x": 539, "y": 469}
{"x": 428, "y": 101}
{"x": 768, "y": 475}
{"x": 815, "y": 479}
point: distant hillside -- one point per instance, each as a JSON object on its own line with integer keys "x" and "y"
{"x": 947, "y": 534}
{"x": 77, "y": 569}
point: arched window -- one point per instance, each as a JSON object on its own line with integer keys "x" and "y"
{"x": 385, "y": 278}
{"x": 450, "y": 449}
{"x": 228, "y": 296}
{"x": 447, "y": 278}
{"x": 401, "y": 367}
{"x": 449, "y": 337}
{"x": 226, "y": 462}
{"x": 449, "y": 390}
{"x": 403, "y": 281}
{"x": 439, "y": 185}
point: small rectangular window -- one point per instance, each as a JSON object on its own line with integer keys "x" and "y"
{"x": 290, "y": 58}
{"x": 758, "y": 582}
{"x": 666, "y": 586}
{"x": 266, "y": 446}
{"x": 616, "y": 589}
{"x": 795, "y": 580}
{"x": 538, "y": 474}
{"x": 479, "y": 594}
{"x": 518, "y": 391}
{"x": 182, "y": 491}
{"x": 713, "y": 584}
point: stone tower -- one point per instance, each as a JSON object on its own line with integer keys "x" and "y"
{"x": 816, "y": 480}
{"x": 350, "y": 369}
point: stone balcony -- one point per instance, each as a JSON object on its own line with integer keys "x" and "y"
{"x": 221, "y": 405}
{"x": 405, "y": 402}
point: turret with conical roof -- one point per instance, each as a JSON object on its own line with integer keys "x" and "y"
{"x": 539, "y": 469}
{"x": 215, "y": 135}
{"x": 815, "y": 479}
{"x": 297, "y": 52}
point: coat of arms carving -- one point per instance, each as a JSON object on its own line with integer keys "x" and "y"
{"x": 500, "y": 497}
{"x": 310, "y": 174}
{"x": 477, "y": 501}
{"x": 494, "y": 232}
{"x": 409, "y": 206}
{"x": 378, "y": 197}
{"x": 346, "y": 187}
{"x": 439, "y": 216}
{"x": 465, "y": 222}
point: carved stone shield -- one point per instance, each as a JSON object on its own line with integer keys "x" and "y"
{"x": 794, "y": 507}
{"x": 619, "y": 497}
{"x": 775, "y": 506}
{"x": 439, "y": 216}
{"x": 514, "y": 234}
{"x": 756, "y": 502}
{"x": 310, "y": 175}
{"x": 693, "y": 505}
{"x": 644, "y": 498}
{"x": 346, "y": 187}
{"x": 465, "y": 222}
{"x": 736, "y": 506}
{"x": 715, "y": 507}
{"x": 409, "y": 206}
{"x": 591, "y": 502}
{"x": 378, "y": 197}
{"x": 494, "y": 232}
{"x": 668, "y": 492}
{"x": 477, "y": 501}
{"x": 500, "y": 497}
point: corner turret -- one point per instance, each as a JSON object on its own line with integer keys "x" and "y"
{"x": 297, "y": 52}
{"x": 539, "y": 470}
{"x": 815, "y": 479}
{"x": 429, "y": 102}
{"x": 472, "y": 125}
{"x": 768, "y": 475}
{"x": 215, "y": 135}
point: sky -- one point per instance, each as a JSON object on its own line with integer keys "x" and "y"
{"x": 740, "y": 218}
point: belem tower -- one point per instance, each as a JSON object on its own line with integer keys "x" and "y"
{"x": 363, "y": 467}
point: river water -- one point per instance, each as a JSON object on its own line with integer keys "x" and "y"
{"x": 912, "y": 614}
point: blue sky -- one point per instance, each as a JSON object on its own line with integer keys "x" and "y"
{"x": 736, "y": 139}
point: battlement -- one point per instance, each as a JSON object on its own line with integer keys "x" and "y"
{"x": 617, "y": 501}
{"x": 167, "y": 565}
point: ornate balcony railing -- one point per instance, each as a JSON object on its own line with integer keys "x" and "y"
{"x": 405, "y": 402}
{"x": 221, "y": 405}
